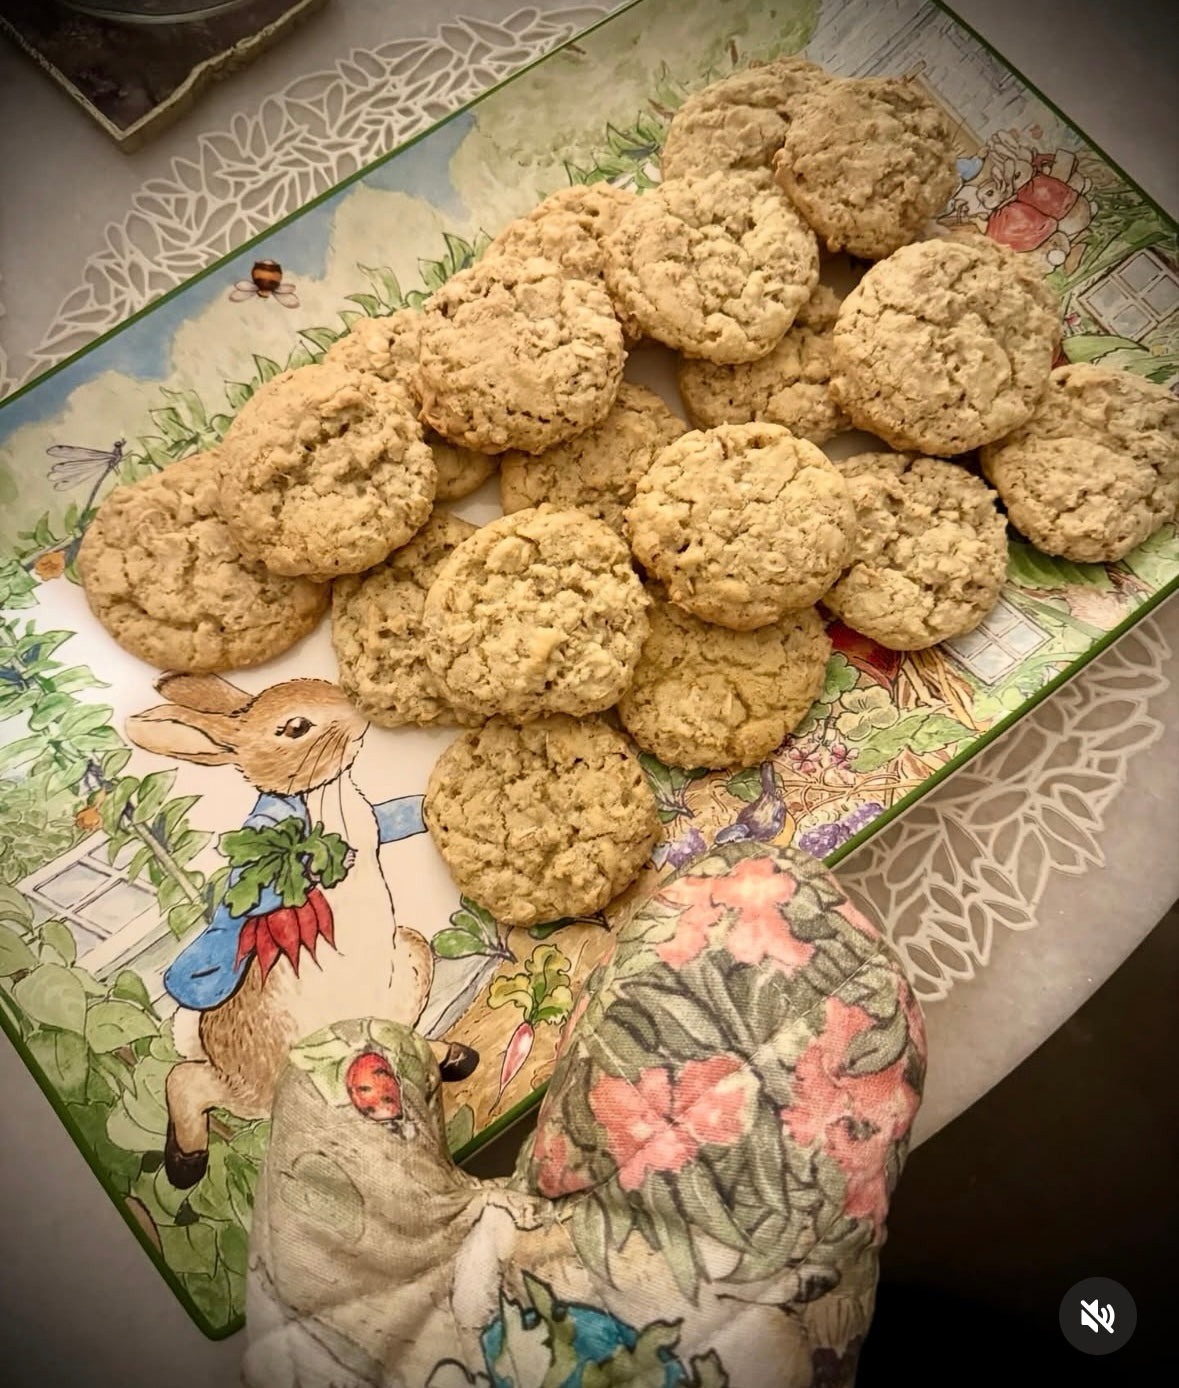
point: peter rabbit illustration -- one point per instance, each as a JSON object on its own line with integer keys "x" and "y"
{"x": 307, "y": 931}
{"x": 1025, "y": 199}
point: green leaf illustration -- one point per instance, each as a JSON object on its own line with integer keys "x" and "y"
{"x": 191, "y": 1248}
{"x": 1155, "y": 560}
{"x": 283, "y": 856}
{"x": 461, "y": 1127}
{"x": 923, "y": 730}
{"x": 237, "y": 393}
{"x": 60, "y": 938}
{"x": 745, "y": 785}
{"x": 453, "y": 943}
{"x": 15, "y": 955}
{"x": 116, "y": 1023}
{"x": 1031, "y": 568}
{"x": 63, "y": 1057}
{"x": 320, "y": 338}
{"x": 472, "y": 930}
{"x": 53, "y": 996}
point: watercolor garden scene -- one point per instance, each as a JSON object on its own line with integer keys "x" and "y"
{"x": 139, "y": 873}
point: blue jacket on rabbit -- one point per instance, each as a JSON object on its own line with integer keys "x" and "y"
{"x": 208, "y": 971}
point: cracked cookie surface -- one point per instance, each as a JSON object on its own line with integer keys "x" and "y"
{"x": 325, "y": 472}
{"x": 790, "y": 385}
{"x": 1095, "y": 471}
{"x": 742, "y": 523}
{"x": 945, "y": 345}
{"x": 596, "y": 472}
{"x": 538, "y": 612}
{"x": 738, "y": 122}
{"x": 868, "y": 162}
{"x": 716, "y": 267}
{"x": 388, "y": 347}
{"x": 536, "y": 822}
{"x": 568, "y": 228}
{"x": 930, "y": 554}
{"x": 377, "y": 631}
{"x": 163, "y": 575}
{"x": 706, "y": 696}
{"x": 516, "y": 355}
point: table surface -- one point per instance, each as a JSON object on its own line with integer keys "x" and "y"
{"x": 1089, "y": 872}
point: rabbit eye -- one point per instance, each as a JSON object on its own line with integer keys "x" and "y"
{"x": 294, "y": 727}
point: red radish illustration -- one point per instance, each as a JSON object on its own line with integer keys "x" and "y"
{"x": 542, "y": 993}
{"x": 372, "y": 1086}
{"x": 518, "y": 1051}
{"x": 284, "y": 930}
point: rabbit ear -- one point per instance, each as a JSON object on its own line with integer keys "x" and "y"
{"x": 209, "y": 739}
{"x": 205, "y": 693}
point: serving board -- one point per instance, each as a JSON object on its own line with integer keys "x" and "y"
{"x": 113, "y": 860}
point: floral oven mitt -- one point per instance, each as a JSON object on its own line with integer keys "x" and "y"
{"x": 702, "y": 1202}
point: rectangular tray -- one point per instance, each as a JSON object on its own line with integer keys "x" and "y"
{"x": 109, "y": 856}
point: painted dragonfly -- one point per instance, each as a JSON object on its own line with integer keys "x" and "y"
{"x": 75, "y": 465}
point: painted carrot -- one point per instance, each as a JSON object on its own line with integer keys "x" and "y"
{"x": 518, "y": 1051}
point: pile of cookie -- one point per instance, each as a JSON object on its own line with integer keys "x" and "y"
{"x": 649, "y": 585}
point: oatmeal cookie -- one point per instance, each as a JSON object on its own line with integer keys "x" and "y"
{"x": 377, "y": 630}
{"x": 742, "y": 523}
{"x": 538, "y": 612}
{"x": 717, "y": 267}
{"x": 706, "y": 696}
{"x": 868, "y": 162}
{"x": 325, "y": 472}
{"x": 738, "y": 122}
{"x": 1096, "y": 468}
{"x": 931, "y": 552}
{"x": 597, "y": 471}
{"x": 788, "y": 386}
{"x": 515, "y": 355}
{"x": 388, "y": 347}
{"x": 162, "y": 574}
{"x": 543, "y": 821}
{"x": 568, "y": 228}
{"x": 945, "y": 345}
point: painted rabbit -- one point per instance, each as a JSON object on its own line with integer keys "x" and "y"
{"x": 307, "y": 931}
{"x": 1027, "y": 200}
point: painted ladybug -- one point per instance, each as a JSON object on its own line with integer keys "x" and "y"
{"x": 372, "y": 1086}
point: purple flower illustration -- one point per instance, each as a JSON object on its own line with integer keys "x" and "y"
{"x": 680, "y": 851}
{"x": 822, "y": 839}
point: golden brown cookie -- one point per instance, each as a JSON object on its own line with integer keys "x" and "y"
{"x": 325, "y": 472}
{"x": 544, "y": 821}
{"x": 516, "y": 355}
{"x": 1095, "y": 470}
{"x": 868, "y": 162}
{"x": 538, "y": 612}
{"x": 388, "y": 347}
{"x": 377, "y": 630}
{"x": 716, "y": 267}
{"x": 597, "y": 471}
{"x": 738, "y": 122}
{"x": 706, "y": 696}
{"x": 568, "y": 228}
{"x": 163, "y": 575}
{"x": 790, "y": 385}
{"x": 742, "y": 523}
{"x": 930, "y": 555}
{"x": 945, "y": 345}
